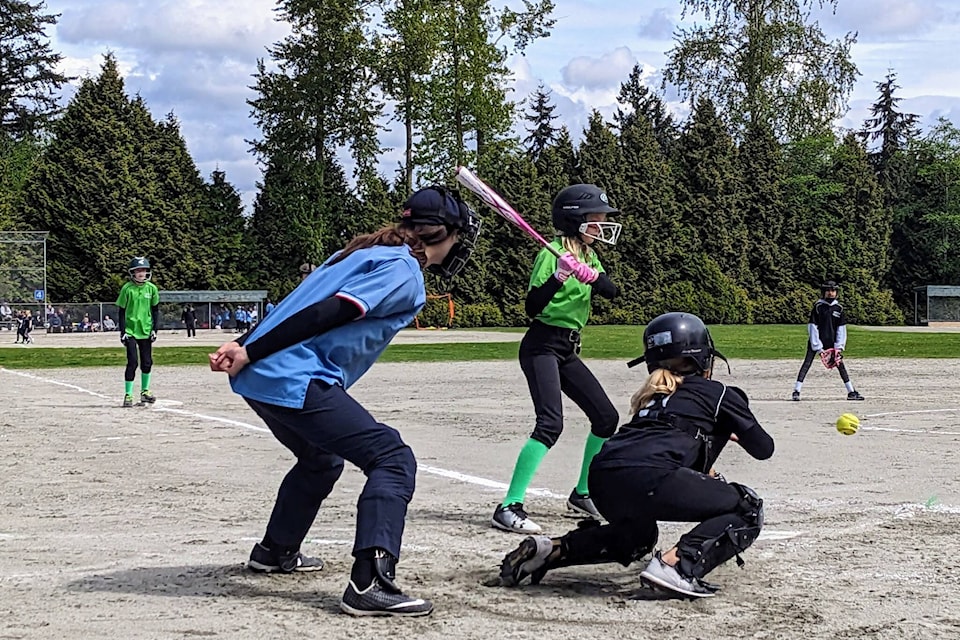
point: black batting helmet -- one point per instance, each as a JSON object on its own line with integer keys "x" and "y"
{"x": 674, "y": 336}
{"x": 571, "y": 206}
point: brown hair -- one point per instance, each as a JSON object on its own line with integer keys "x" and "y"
{"x": 415, "y": 236}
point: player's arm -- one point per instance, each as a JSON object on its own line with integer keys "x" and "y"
{"x": 544, "y": 283}
{"x": 154, "y": 318}
{"x": 604, "y": 286}
{"x": 735, "y": 415}
{"x": 813, "y": 329}
{"x": 303, "y": 325}
{"x": 841, "y": 340}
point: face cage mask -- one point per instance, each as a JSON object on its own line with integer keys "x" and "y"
{"x": 460, "y": 252}
{"x": 146, "y": 278}
{"x": 609, "y": 232}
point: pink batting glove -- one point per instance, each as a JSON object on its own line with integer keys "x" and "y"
{"x": 566, "y": 267}
{"x": 585, "y": 273}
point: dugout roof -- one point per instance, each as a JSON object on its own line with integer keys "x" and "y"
{"x": 252, "y": 295}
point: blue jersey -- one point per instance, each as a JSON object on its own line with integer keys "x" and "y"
{"x": 386, "y": 283}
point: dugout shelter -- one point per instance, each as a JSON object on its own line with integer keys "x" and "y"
{"x": 936, "y": 305}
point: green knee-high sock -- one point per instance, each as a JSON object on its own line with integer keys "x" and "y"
{"x": 144, "y": 382}
{"x": 590, "y": 449}
{"x": 128, "y": 387}
{"x": 527, "y": 463}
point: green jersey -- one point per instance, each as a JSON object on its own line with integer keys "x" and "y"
{"x": 570, "y": 306}
{"x": 136, "y": 301}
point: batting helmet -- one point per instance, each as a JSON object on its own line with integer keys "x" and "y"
{"x": 570, "y": 209}
{"x": 139, "y": 263}
{"x": 829, "y": 285}
{"x": 438, "y": 205}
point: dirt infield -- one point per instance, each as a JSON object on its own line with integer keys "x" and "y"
{"x": 136, "y": 523}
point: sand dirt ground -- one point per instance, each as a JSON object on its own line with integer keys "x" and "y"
{"x": 136, "y": 523}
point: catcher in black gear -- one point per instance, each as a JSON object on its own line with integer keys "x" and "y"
{"x": 659, "y": 467}
{"x": 828, "y": 339}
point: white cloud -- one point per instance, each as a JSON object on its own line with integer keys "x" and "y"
{"x": 599, "y": 74}
{"x": 887, "y": 19}
{"x": 659, "y": 26}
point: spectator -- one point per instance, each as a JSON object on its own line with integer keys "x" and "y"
{"x": 189, "y": 319}
{"x": 26, "y": 326}
{"x": 108, "y": 323}
{"x": 270, "y": 306}
{"x": 56, "y": 323}
{"x": 85, "y": 326}
{"x": 6, "y": 313}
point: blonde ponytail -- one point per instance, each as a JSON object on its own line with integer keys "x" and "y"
{"x": 660, "y": 381}
{"x": 578, "y": 248}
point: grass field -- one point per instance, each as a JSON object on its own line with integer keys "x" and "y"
{"x": 754, "y": 342}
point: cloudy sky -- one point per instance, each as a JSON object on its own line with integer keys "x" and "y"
{"x": 196, "y": 58}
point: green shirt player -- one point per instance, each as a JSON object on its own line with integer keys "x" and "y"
{"x": 138, "y": 302}
{"x": 558, "y": 301}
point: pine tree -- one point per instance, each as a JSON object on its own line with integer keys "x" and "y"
{"x": 643, "y": 102}
{"x": 29, "y": 80}
{"x": 542, "y": 133}
{"x": 893, "y": 130}
{"x": 223, "y": 235}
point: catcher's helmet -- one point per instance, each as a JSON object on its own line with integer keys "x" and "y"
{"x": 829, "y": 285}
{"x": 306, "y": 269}
{"x": 438, "y": 205}
{"x": 139, "y": 263}
{"x": 570, "y": 209}
{"x": 677, "y": 335}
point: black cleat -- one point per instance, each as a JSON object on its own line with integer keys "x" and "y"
{"x": 529, "y": 559}
{"x": 379, "y": 599}
{"x": 854, "y": 395}
{"x": 127, "y": 401}
{"x": 263, "y": 560}
{"x": 146, "y": 397}
{"x": 796, "y": 396}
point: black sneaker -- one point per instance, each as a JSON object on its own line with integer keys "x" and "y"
{"x": 854, "y": 395}
{"x": 513, "y": 518}
{"x": 580, "y": 505}
{"x": 380, "y": 600}
{"x": 127, "y": 400}
{"x": 263, "y": 560}
{"x": 796, "y": 396}
{"x": 146, "y": 397}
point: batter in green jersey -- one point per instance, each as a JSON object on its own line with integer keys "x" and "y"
{"x": 558, "y": 301}
{"x": 138, "y": 303}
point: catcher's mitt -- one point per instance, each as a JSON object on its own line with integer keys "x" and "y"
{"x": 831, "y": 358}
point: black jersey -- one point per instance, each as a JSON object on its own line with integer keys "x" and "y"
{"x": 827, "y": 318}
{"x": 688, "y": 428}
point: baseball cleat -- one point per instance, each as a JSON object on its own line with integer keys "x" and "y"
{"x": 513, "y": 518}
{"x": 582, "y": 506}
{"x": 659, "y": 574}
{"x": 529, "y": 559}
{"x": 379, "y": 599}
{"x": 263, "y": 560}
{"x": 127, "y": 400}
{"x": 146, "y": 397}
{"x": 796, "y": 396}
{"x": 855, "y": 395}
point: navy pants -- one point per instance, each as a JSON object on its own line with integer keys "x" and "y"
{"x": 330, "y": 428}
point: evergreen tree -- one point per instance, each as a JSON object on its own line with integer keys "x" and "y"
{"x": 893, "y": 130}
{"x": 542, "y": 133}
{"x": 29, "y": 80}
{"x": 761, "y": 166}
{"x": 17, "y": 159}
{"x": 710, "y": 191}
{"x": 223, "y": 235}
{"x": 643, "y": 102}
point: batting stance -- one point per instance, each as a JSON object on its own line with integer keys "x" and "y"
{"x": 294, "y": 369}
{"x": 828, "y": 330}
{"x": 659, "y": 466}
{"x": 139, "y": 315}
{"x": 558, "y": 300}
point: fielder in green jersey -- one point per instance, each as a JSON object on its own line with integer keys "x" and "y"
{"x": 138, "y": 303}
{"x": 558, "y": 301}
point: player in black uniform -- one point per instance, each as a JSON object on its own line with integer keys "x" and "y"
{"x": 659, "y": 466}
{"x": 828, "y": 330}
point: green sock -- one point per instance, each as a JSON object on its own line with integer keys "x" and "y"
{"x": 590, "y": 449}
{"x": 128, "y": 388}
{"x": 527, "y": 463}
{"x": 144, "y": 382}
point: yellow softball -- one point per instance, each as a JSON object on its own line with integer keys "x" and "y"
{"x": 848, "y": 424}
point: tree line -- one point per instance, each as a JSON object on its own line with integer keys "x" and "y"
{"x": 735, "y": 212}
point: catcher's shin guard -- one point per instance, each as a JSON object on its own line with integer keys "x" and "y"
{"x": 715, "y": 541}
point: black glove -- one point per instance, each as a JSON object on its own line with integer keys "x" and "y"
{"x": 153, "y": 336}
{"x": 124, "y": 336}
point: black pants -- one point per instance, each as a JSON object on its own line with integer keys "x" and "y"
{"x": 145, "y": 349}
{"x": 808, "y": 360}
{"x": 633, "y": 499}
{"x": 549, "y": 358}
{"x": 191, "y": 330}
{"x": 330, "y": 428}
